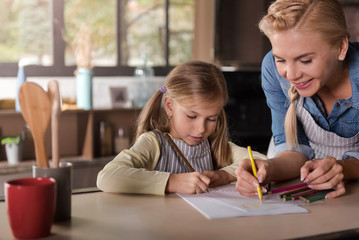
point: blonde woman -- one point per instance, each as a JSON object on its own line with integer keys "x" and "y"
{"x": 188, "y": 112}
{"x": 311, "y": 82}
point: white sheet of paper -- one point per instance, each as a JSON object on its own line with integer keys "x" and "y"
{"x": 226, "y": 202}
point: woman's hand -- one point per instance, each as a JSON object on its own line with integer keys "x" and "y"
{"x": 188, "y": 183}
{"x": 323, "y": 174}
{"x": 246, "y": 183}
{"x": 219, "y": 177}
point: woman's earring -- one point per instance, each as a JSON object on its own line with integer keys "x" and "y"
{"x": 341, "y": 58}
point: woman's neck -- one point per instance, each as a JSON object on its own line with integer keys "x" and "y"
{"x": 338, "y": 88}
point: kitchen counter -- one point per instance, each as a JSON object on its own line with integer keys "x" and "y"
{"x": 99, "y": 215}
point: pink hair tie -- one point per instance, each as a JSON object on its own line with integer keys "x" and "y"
{"x": 163, "y": 89}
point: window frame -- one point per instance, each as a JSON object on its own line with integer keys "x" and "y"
{"x": 59, "y": 69}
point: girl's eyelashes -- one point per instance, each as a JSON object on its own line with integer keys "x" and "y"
{"x": 208, "y": 119}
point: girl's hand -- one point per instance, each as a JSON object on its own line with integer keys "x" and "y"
{"x": 246, "y": 183}
{"x": 219, "y": 177}
{"x": 323, "y": 174}
{"x": 188, "y": 183}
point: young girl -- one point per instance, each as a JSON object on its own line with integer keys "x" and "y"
{"x": 189, "y": 106}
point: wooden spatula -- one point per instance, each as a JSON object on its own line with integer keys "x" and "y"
{"x": 54, "y": 95}
{"x": 36, "y": 109}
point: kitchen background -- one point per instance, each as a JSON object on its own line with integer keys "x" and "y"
{"x": 220, "y": 31}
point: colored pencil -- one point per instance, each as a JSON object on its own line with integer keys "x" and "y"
{"x": 255, "y": 172}
{"x": 289, "y": 196}
{"x": 294, "y": 191}
{"x": 310, "y": 195}
{"x": 287, "y": 188}
{"x": 179, "y": 152}
{"x": 303, "y": 194}
{"x": 316, "y": 197}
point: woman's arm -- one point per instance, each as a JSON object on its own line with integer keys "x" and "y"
{"x": 284, "y": 166}
{"x": 350, "y": 168}
{"x": 227, "y": 174}
{"x": 329, "y": 173}
{"x": 276, "y": 97}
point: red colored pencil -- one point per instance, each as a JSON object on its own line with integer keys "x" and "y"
{"x": 287, "y": 188}
{"x": 303, "y": 194}
{"x": 288, "y": 195}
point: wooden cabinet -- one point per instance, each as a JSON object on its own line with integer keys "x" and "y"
{"x": 78, "y": 142}
{"x": 79, "y": 134}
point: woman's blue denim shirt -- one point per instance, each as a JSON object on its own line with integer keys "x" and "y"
{"x": 342, "y": 120}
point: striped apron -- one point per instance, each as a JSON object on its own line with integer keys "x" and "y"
{"x": 198, "y": 156}
{"x": 324, "y": 143}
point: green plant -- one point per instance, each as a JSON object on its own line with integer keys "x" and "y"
{"x": 10, "y": 140}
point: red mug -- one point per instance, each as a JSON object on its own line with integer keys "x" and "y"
{"x": 30, "y": 206}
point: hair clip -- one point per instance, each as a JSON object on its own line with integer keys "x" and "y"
{"x": 163, "y": 89}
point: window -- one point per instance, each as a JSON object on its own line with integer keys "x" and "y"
{"x": 17, "y": 38}
{"x": 54, "y": 36}
{"x": 90, "y": 33}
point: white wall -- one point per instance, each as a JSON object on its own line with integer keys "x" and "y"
{"x": 100, "y": 89}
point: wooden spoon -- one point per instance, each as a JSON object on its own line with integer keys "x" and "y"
{"x": 36, "y": 110}
{"x": 54, "y": 95}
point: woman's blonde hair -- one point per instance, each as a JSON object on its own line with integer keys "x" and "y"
{"x": 325, "y": 17}
{"x": 189, "y": 84}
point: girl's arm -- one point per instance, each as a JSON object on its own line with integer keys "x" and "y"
{"x": 132, "y": 170}
{"x": 188, "y": 183}
{"x": 240, "y": 154}
{"x": 219, "y": 177}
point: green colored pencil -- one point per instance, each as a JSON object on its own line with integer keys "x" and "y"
{"x": 303, "y": 194}
{"x": 316, "y": 197}
{"x": 294, "y": 191}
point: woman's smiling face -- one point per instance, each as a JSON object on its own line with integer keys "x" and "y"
{"x": 305, "y": 60}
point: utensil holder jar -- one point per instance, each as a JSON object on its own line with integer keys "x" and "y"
{"x": 63, "y": 177}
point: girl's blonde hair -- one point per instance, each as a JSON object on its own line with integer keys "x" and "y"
{"x": 325, "y": 17}
{"x": 189, "y": 84}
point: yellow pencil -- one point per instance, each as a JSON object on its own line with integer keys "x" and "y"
{"x": 255, "y": 172}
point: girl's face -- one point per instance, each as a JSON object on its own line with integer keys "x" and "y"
{"x": 193, "y": 124}
{"x": 306, "y": 61}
